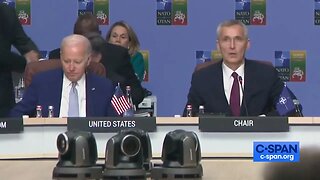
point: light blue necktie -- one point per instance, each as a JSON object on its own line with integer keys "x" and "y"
{"x": 73, "y": 101}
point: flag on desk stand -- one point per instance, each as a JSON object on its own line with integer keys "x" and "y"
{"x": 285, "y": 105}
{"x": 119, "y": 101}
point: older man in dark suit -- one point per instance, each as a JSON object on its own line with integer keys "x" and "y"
{"x": 72, "y": 91}
{"x": 235, "y": 86}
{"x": 116, "y": 59}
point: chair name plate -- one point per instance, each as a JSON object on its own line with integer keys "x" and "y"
{"x": 243, "y": 124}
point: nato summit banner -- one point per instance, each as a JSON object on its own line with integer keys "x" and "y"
{"x": 172, "y": 12}
{"x": 316, "y": 12}
{"x": 291, "y": 65}
{"x": 23, "y": 9}
{"x": 99, "y": 8}
{"x": 101, "y": 11}
{"x": 251, "y": 12}
{"x": 145, "y": 55}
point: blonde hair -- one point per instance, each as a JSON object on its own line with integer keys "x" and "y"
{"x": 134, "y": 44}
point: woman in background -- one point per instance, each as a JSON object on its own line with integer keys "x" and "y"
{"x": 122, "y": 34}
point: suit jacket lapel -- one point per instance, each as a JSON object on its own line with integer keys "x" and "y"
{"x": 249, "y": 84}
{"x": 221, "y": 86}
{"x": 218, "y": 87}
{"x": 55, "y": 93}
{"x": 90, "y": 89}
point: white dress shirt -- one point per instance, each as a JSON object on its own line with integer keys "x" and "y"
{"x": 228, "y": 80}
{"x": 81, "y": 88}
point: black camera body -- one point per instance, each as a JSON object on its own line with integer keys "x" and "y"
{"x": 77, "y": 156}
{"x": 181, "y": 156}
{"x": 181, "y": 149}
{"x": 126, "y": 155}
{"x": 77, "y": 149}
{"x": 130, "y": 148}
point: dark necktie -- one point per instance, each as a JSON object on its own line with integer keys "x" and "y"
{"x": 73, "y": 102}
{"x": 235, "y": 96}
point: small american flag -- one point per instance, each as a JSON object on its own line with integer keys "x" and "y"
{"x": 119, "y": 102}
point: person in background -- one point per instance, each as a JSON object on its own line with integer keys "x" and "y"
{"x": 116, "y": 59}
{"x": 71, "y": 90}
{"x": 84, "y": 24}
{"x": 122, "y": 34}
{"x": 235, "y": 86}
{"x": 98, "y": 44}
{"x": 12, "y": 33}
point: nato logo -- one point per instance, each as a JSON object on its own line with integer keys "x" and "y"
{"x": 243, "y": 5}
{"x": 86, "y": 5}
{"x": 164, "y": 5}
{"x": 276, "y": 151}
{"x": 203, "y": 56}
{"x": 10, "y": 3}
{"x": 282, "y": 58}
{"x": 317, "y": 4}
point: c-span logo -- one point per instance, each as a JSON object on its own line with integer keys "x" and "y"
{"x": 276, "y": 151}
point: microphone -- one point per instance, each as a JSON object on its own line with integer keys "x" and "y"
{"x": 297, "y": 108}
{"x": 243, "y": 96}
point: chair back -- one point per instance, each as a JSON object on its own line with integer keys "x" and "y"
{"x": 45, "y": 65}
{"x": 203, "y": 65}
{"x": 208, "y": 63}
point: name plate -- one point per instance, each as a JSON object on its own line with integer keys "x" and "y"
{"x": 111, "y": 124}
{"x": 243, "y": 124}
{"x": 11, "y": 125}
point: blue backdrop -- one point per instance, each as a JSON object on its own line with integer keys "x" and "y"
{"x": 290, "y": 26}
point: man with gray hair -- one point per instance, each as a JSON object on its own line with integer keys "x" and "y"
{"x": 235, "y": 86}
{"x": 72, "y": 91}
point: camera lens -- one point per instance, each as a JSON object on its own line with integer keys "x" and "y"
{"x": 62, "y": 143}
{"x": 130, "y": 145}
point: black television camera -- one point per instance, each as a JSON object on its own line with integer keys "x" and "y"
{"x": 128, "y": 155}
{"x": 77, "y": 156}
{"x": 181, "y": 156}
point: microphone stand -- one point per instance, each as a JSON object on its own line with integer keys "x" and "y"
{"x": 296, "y": 106}
{"x": 244, "y": 98}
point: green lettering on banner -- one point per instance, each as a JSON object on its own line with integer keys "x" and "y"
{"x": 258, "y": 12}
{"x": 180, "y": 12}
{"x": 298, "y": 66}
{"x": 101, "y": 11}
{"x": 23, "y": 11}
